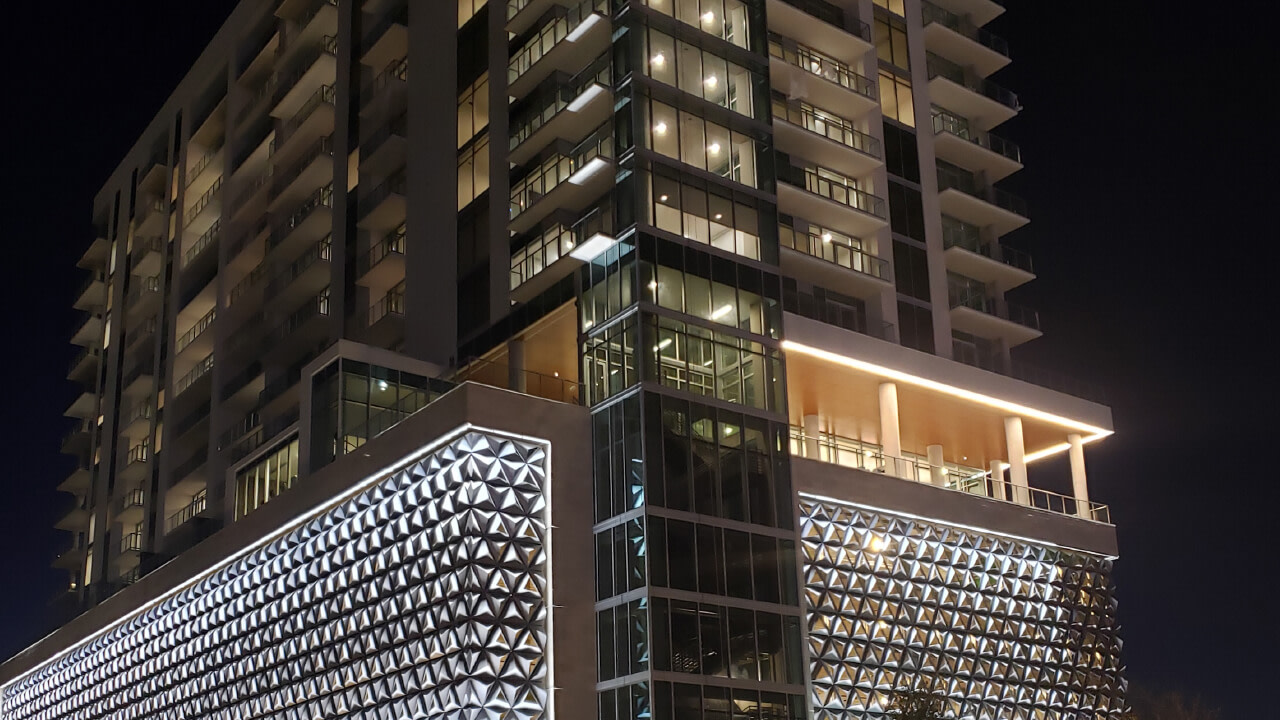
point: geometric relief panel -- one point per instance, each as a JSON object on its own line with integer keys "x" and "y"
{"x": 424, "y": 596}
{"x": 1003, "y": 628}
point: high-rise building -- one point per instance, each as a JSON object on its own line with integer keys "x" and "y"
{"x": 715, "y": 418}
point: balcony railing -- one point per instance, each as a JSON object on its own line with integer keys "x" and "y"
{"x": 971, "y": 354}
{"x": 832, "y": 15}
{"x": 144, "y": 287}
{"x": 201, "y": 369}
{"x": 394, "y": 185}
{"x": 325, "y": 95}
{"x": 391, "y": 304}
{"x": 934, "y": 14}
{"x": 832, "y": 308}
{"x": 139, "y": 453}
{"x": 320, "y": 252}
{"x": 830, "y": 126}
{"x": 196, "y": 330}
{"x": 554, "y": 101}
{"x": 131, "y": 543}
{"x": 856, "y": 454}
{"x": 134, "y": 498}
{"x": 81, "y": 356}
{"x": 380, "y": 27}
{"x": 832, "y": 186}
{"x": 392, "y": 244}
{"x": 558, "y": 169}
{"x": 954, "y": 237}
{"x": 317, "y": 306}
{"x": 282, "y": 178}
{"x": 305, "y": 19}
{"x": 199, "y": 206}
{"x": 247, "y": 283}
{"x": 328, "y": 46}
{"x": 203, "y": 163}
{"x": 141, "y": 411}
{"x": 198, "y": 504}
{"x": 206, "y": 240}
{"x": 835, "y": 250}
{"x": 952, "y": 124}
{"x": 551, "y": 35}
{"x": 810, "y": 60}
{"x": 975, "y": 298}
{"x": 396, "y": 72}
{"x": 954, "y": 178}
{"x": 399, "y": 127}
{"x": 322, "y": 197}
{"x": 943, "y": 68}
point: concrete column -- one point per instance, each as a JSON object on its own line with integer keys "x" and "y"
{"x": 1079, "y": 482}
{"x": 997, "y": 481}
{"x": 812, "y": 430}
{"x": 516, "y": 378}
{"x": 1017, "y": 459}
{"x": 937, "y": 474}
{"x": 890, "y": 433}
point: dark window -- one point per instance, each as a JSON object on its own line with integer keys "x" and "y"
{"x": 906, "y": 211}
{"x": 916, "y": 326}
{"x": 911, "y": 270}
{"x": 901, "y": 156}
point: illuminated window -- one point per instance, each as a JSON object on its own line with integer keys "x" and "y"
{"x": 895, "y": 98}
{"x": 725, "y": 19}
{"x": 267, "y": 478}
{"x": 473, "y": 110}
{"x": 473, "y": 171}
{"x": 891, "y": 41}
{"x": 707, "y": 214}
{"x": 893, "y": 6}
{"x": 700, "y": 73}
{"x": 467, "y": 9}
{"x": 701, "y": 143}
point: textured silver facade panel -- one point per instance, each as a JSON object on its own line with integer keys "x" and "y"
{"x": 424, "y": 596}
{"x": 1005, "y": 629}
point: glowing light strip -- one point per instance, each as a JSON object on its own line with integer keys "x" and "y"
{"x": 300, "y": 520}
{"x": 1094, "y": 431}
{"x": 1062, "y": 447}
{"x": 962, "y": 526}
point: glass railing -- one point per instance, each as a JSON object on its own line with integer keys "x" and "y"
{"x": 550, "y": 387}
{"x": 131, "y": 543}
{"x": 322, "y": 251}
{"x": 145, "y": 287}
{"x": 832, "y": 15}
{"x": 320, "y": 149}
{"x": 398, "y": 127}
{"x": 320, "y": 198}
{"x": 396, "y": 72}
{"x": 975, "y": 298}
{"x": 205, "y": 241}
{"x": 324, "y": 96}
{"x": 859, "y": 455}
{"x": 251, "y": 188}
{"x": 145, "y": 210}
{"x": 305, "y": 19}
{"x": 812, "y": 61}
{"x": 541, "y": 253}
{"x": 196, "y": 331}
{"x": 313, "y": 308}
{"x": 392, "y": 244}
{"x": 837, "y": 188}
{"x": 953, "y": 178}
{"x": 197, "y": 505}
{"x": 194, "y": 211}
{"x": 558, "y": 169}
{"x": 201, "y": 369}
{"x": 952, "y": 124}
{"x": 146, "y": 329}
{"x": 826, "y": 124}
{"x": 551, "y": 35}
{"x": 837, "y": 310}
{"x": 934, "y": 14}
{"x": 834, "y": 250}
{"x": 328, "y": 46}
{"x": 134, "y": 498}
{"x": 81, "y": 356}
{"x": 141, "y": 411}
{"x": 943, "y": 68}
{"x": 247, "y": 283}
{"x": 203, "y": 163}
{"x": 952, "y": 237}
{"x": 139, "y": 453}
{"x": 391, "y": 305}
{"x": 558, "y": 97}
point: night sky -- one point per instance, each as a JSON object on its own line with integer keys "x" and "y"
{"x": 1150, "y": 153}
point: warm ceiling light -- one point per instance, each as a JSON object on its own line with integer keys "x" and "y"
{"x": 658, "y": 60}
{"x": 714, "y": 148}
{"x": 587, "y": 23}
{"x": 666, "y": 343}
{"x": 589, "y": 250}
{"x": 660, "y": 128}
{"x": 662, "y": 198}
{"x": 708, "y": 17}
{"x": 826, "y": 237}
{"x": 591, "y": 93}
{"x": 719, "y": 215}
{"x": 711, "y": 81}
{"x": 725, "y": 310}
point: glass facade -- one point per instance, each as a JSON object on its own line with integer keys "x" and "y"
{"x": 266, "y": 478}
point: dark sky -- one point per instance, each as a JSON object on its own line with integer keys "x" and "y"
{"x": 1150, "y": 151}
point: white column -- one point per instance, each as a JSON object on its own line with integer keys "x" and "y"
{"x": 890, "y": 433}
{"x": 1017, "y": 459}
{"x": 1079, "y": 482}
{"x": 937, "y": 474}
{"x": 811, "y": 433}
{"x": 997, "y": 481}
{"x": 516, "y": 379}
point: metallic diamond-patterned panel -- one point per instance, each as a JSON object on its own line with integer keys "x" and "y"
{"x": 422, "y": 597}
{"x": 1006, "y": 629}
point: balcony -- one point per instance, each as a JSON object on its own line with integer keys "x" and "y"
{"x": 567, "y": 43}
{"x": 569, "y": 179}
{"x": 305, "y": 276}
{"x": 382, "y": 267}
{"x": 952, "y": 36}
{"x": 383, "y": 209}
{"x": 76, "y": 519}
{"x": 316, "y": 68}
{"x": 304, "y": 328}
{"x": 830, "y": 200}
{"x": 205, "y": 211}
{"x": 314, "y": 120}
{"x": 314, "y": 21}
{"x": 961, "y": 196}
{"x": 150, "y": 217}
{"x": 387, "y": 91}
{"x": 79, "y": 438}
{"x": 808, "y": 132}
{"x": 569, "y": 112}
{"x": 522, "y": 14}
{"x": 78, "y": 482}
{"x": 88, "y": 333}
{"x": 312, "y": 169}
{"x": 93, "y": 293}
{"x": 140, "y": 380}
{"x": 71, "y": 558}
{"x": 200, "y": 372}
{"x": 833, "y": 262}
{"x": 129, "y": 511}
{"x": 95, "y": 256}
{"x": 973, "y": 311}
{"x": 977, "y": 12}
{"x": 985, "y": 103}
{"x": 988, "y": 262}
{"x": 250, "y": 198}
{"x": 83, "y": 368}
{"x": 135, "y": 423}
{"x": 386, "y": 148}
{"x": 143, "y": 299}
{"x": 310, "y": 221}
{"x": 846, "y": 39}
{"x": 959, "y": 144}
{"x": 196, "y": 252}
{"x": 799, "y": 71}
{"x": 198, "y": 505}
{"x": 137, "y": 464}
{"x": 384, "y": 323}
{"x": 85, "y": 406}
{"x": 387, "y": 39}
{"x": 205, "y": 171}
{"x": 868, "y": 457}
{"x": 147, "y": 257}
{"x": 196, "y": 339}
{"x": 549, "y": 255}
{"x": 131, "y": 544}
